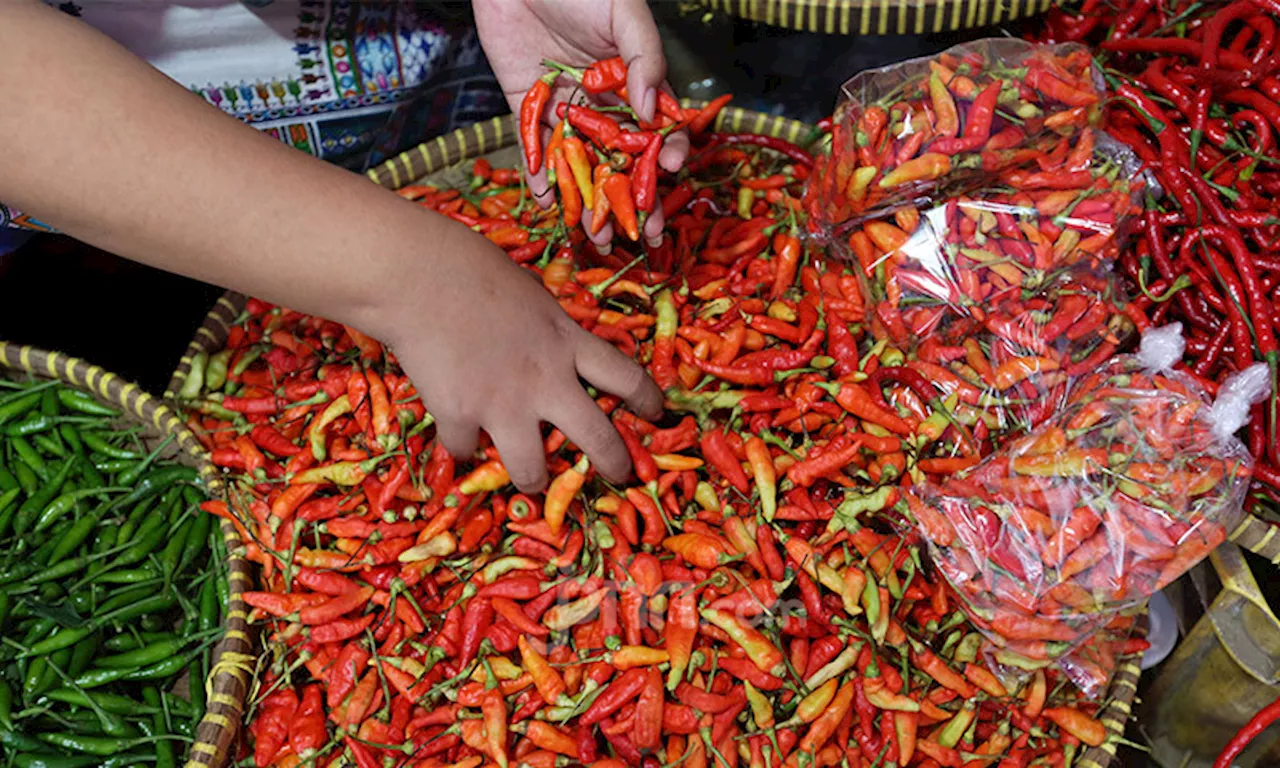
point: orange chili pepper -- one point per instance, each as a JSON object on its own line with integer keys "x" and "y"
{"x": 617, "y": 189}
{"x": 575, "y": 154}
{"x": 602, "y": 205}
{"x": 561, "y": 492}
{"x": 926, "y": 167}
{"x": 570, "y": 197}
{"x": 946, "y": 118}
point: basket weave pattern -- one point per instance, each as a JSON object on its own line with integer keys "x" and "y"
{"x": 233, "y": 656}
{"x": 499, "y": 133}
{"x": 880, "y": 17}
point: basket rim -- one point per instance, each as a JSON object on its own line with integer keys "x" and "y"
{"x": 227, "y": 673}
{"x": 879, "y": 17}
{"x": 498, "y": 133}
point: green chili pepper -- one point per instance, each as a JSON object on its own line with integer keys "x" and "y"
{"x": 247, "y": 360}
{"x": 75, "y": 535}
{"x": 197, "y": 541}
{"x": 113, "y": 703}
{"x": 950, "y": 733}
{"x": 130, "y": 475}
{"x": 27, "y": 479}
{"x": 49, "y": 402}
{"x": 37, "y": 422}
{"x": 7, "y": 481}
{"x": 37, "y": 501}
{"x": 133, "y": 576}
{"x": 82, "y": 654}
{"x": 6, "y": 604}
{"x": 17, "y": 406}
{"x": 136, "y": 516}
{"x": 152, "y": 604}
{"x": 31, "y": 456}
{"x": 160, "y": 670}
{"x": 20, "y": 571}
{"x": 63, "y": 639}
{"x": 17, "y": 742}
{"x": 178, "y": 706}
{"x": 215, "y": 373}
{"x": 63, "y": 504}
{"x": 79, "y": 761}
{"x": 113, "y": 466}
{"x": 126, "y": 597}
{"x": 40, "y": 674}
{"x": 71, "y": 436}
{"x": 148, "y": 537}
{"x": 210, "y": 607}
{"x": 223, "y": 586}
{"x": 96, "y": 442}
{"x": 8, "y": 509}
{"x": 38, "y": 628}
{"x": 196, "y": 692}
{"x": 91, "y": 745}
{"x": 62, "y": 569}
{"x": 158, "y": 480}
{"x": 144, "y": 656}
{"x": 83, "y": 402}
{"x": 6, "y": 706}
{"x": 50, "y": 445}
{"x": 128, "y": 641}
{"x": 165, "y": 757}
{"x": 106, "y": 539}
{"x": 193, "y": 384}
{"x": 99, "y": 677}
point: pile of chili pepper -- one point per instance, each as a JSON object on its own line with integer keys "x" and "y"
{"x": 596, "y": 162}
{"x": 932, "y": 126}
{"x": 1114, "y": 498}
{"x": 1199, "y": 81}
{"x": 744, "y": 599}
{"x": 109, "y": 588}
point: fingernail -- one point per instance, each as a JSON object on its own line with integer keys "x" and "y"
{"x": 604, "y": 249}
{"x": 648, "y": 104}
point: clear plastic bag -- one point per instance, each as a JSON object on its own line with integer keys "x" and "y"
{"x": 934, "y": 126}
{"x": 1133, "y": 482}
{"x": 1006, "y": 291}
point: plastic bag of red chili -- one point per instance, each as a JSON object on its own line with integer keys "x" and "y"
{"x": 932, "y": 126}
{"x": 1001, "y": 294}
{"x": 1136, "y": 480}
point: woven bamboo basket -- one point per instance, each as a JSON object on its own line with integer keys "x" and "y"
{"x": 232, "y": 658}
{"x": 438, "y": 161}
{"x": 879, "y": 17}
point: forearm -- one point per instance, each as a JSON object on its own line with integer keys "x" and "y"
{"x": 107, "y": 149}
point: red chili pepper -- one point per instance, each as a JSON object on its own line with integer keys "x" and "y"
{"x": 645, "y": 177}
{"x": 605, "y": 75}
{"x": 601, "y": 129}
{"x": 532, "y": 107}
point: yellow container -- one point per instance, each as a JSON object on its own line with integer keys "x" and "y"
{"x": 1224, "y": 671}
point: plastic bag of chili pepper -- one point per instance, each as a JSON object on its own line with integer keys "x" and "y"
{"x": 1136, "y": 480}
{"x": 939, "y": 125}
{"x": 1000, "y": 295}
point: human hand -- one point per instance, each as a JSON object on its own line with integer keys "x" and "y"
{"x": 488, "y": 348}
{"x": 518, "y": 34}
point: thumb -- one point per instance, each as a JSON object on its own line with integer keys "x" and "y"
{"x": 636, "y": 35}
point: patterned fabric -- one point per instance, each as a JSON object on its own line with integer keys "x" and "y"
{"x": 352, "y": 83}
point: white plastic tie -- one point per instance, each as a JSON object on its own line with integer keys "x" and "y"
{"x": 1161, "y": 347}
{"x": 1236, "y": 398}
